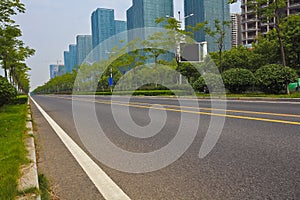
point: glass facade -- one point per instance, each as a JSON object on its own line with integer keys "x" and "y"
{"x": 53, "y": 71}
{"x": 208, "y": 10}
{"x": 103, "y": 25}
{"x": 73, "y": 55}
{"x": 143, "y": 13}
{"x": 120, "y": 26}
{"x": 67, "y": 61}
{"x": 84, "y": 47}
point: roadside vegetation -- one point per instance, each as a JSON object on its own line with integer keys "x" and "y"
{"x": 12, "y": 148}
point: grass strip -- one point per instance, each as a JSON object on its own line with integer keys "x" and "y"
{"x": 12, "y": 148}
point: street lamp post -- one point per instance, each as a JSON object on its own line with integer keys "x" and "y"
{"x": 178, "y": 45}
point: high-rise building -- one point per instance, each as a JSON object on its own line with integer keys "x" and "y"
{"x": 61, "y": 70}
{"x": 236, "y": 31}
{"x": 103, "y": 25}
{"x": 120, "y": 26}
{"x": 53, "y": 71}
{"x": 143, "y": 13}
{"x": 67, "y": 61}
{"x": 252, "y": 25}
{"x": 73, "y": 55}
{"x": 208, "y": 10}
{"x": 84, "y": 47}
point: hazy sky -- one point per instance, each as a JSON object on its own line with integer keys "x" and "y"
{"x": 49, "y": 26}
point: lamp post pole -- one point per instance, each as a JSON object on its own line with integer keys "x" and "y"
{"x": 178, "y": 46}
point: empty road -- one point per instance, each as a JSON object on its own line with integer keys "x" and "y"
{"x": 256, "y": 156}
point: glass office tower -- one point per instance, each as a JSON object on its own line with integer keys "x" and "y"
{"x": 103, "y": 25}
{"x": 73, "y": 55}
{"x": 120, "y": 26}
{"x": 67, "y": 61}
{"x": 143, "y": 13}
{"x": 84, "y": 47}
{"x": 208, "y": 10}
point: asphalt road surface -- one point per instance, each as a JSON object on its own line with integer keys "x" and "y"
{"x": 257, "y": 155}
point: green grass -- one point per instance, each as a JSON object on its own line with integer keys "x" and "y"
{"x": 44, "y": 187}
{"x": 12, "y": 148}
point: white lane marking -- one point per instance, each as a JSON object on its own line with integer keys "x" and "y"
{"x": 106, "y": 186}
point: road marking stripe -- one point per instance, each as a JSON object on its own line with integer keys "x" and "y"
{"x": 106, "y": 186}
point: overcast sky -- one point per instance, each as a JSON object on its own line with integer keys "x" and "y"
{"x": 49, "y": 26}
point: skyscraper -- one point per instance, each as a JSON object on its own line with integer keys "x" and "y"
{"x": 103, "y": 25}
{"x": 53, "y": 71}
{"x": 208, "y": 10}
{"x": 143, "y": 13}
{"x": 67, "y": 61}
{"x": 84, "y": 47}
{"x": 73, "y": 55}
{"x": 120, "y": 26}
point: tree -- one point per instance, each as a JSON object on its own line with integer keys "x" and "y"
{"x": 238, "y": 80}
{"x": 218, "y": 33}
{"x": 13, "y": 52}
{"x": 176, "y": 35}
{"x": 9, "y": 8}
{"x": 274, "y": 78}
{"x": 7, "y": 91}
{"x": 291, "y": 38}
{"x": 268, "y": 10}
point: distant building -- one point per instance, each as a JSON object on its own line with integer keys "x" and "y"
{"x": 61, "y": 70}
{"x": 84, "y": 47}
{"x": 252, "y": 25}
{"x": 73, "y": 55}
{"x": 53, "y": 71}
{"x": 103, "y": 25}
{"x": 236, "y": 29}
{"x": 120, "y": 26}
{"x": 67, "y": 61}
{"x": 143, "y": 13}
{"x": 208, "y": 10}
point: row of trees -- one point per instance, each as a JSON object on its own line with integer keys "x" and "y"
{"x": 13, "y": 51}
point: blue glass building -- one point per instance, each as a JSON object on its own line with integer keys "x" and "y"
{"x": 67, "y": 61}
{"x": 143, "y": 13}
{"x": 53, "y": 71}
{"x": 120, "y": 26}
{"x": 73, "y": 55}
{"x": 84, "y": 47}
{"x": 103, "y": 25}
{"x": 208, "y": 10}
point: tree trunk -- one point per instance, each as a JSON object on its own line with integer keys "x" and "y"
{"x": 277, "y": 16}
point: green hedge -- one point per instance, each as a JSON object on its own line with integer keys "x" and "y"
{"x": 7, "y": 92}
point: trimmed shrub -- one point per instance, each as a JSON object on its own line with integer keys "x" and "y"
{"x": 7, "y": 91}
{"x": 274, "y": 78}
{"x": 209, "y": 83}
{"x": 238, "y": 80}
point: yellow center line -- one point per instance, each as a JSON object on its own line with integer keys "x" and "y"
{"x": 173, "y": 109}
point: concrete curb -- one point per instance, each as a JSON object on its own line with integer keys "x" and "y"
{"x": 29, "y": 178}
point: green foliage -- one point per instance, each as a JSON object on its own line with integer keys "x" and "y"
{"x": 13, "y": 51}
{"x": 291, "y": 38}
{"x": 7, "y": 91}
{"x": 238, "y": 80}
{"x": 274, "y": 78}
{"x": 208, "y": 83}
{"x": 218, "y": 33}
{"x": 12, "y": 148}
